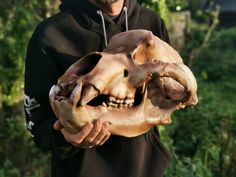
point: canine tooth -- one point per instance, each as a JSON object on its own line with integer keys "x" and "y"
{"x": 88, "y": 94}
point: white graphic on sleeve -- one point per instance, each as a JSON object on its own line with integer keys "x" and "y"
{"x": 30, "y": 104}
{"x": 30, "y": 125}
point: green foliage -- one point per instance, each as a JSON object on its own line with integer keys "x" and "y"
{"x": 9, "y": 170}
{"x": 222, "y": 58}
{"x": 203, "y": 138}
{"x": 18, "y": 154}
{"x": 11, "y": 58}
{"x": 178, "y": 4}
{"x": 159, "y": 6}
{"x": 16, "y": 25}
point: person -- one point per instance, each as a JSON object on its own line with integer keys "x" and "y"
{"x": 81, "y": 27}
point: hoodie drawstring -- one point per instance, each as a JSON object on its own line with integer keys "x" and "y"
{"x": 103, "y": 26}
{"x": 126, "y": 18}
{"x": 99, "y": 12}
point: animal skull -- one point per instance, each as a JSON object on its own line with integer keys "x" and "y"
{"x": 135, "y": 84}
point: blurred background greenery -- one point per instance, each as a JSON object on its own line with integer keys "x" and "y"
{"x": 201, "y": 139}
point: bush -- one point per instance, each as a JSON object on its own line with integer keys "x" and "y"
{"x": 203, "y": 138}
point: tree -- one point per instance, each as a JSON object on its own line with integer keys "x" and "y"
{"x": 17, "y": 21}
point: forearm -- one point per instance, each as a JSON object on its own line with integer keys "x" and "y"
{"x": 39, "y": 76}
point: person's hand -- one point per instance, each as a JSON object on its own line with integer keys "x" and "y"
{"x": 92, "y": 134}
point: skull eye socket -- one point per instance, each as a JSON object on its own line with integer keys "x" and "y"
{"x": 126, "y": 73}
{"x": 89, "y": 62}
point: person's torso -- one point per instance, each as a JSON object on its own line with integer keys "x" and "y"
{"x": 69, "y": 36}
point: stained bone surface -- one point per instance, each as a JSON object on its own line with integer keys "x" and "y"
{"x": 134, "y": 84}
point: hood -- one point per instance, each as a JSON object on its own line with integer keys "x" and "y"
{"x": 98, "y": 21}
{"x": 91, "y": 10}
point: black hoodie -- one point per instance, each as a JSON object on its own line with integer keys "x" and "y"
{"x": 56, "y": 44}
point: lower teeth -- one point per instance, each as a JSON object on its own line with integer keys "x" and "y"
{"x": 116, "y": 105}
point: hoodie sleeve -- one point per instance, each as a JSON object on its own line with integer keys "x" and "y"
{"x": 40, "y": 74}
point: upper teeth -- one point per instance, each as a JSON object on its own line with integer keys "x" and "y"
{"x": 118, "y": 103}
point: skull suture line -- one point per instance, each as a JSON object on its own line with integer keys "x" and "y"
{"x": 135, "y": 84}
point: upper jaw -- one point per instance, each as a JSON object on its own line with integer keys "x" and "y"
{"x": 89, "y": 93}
